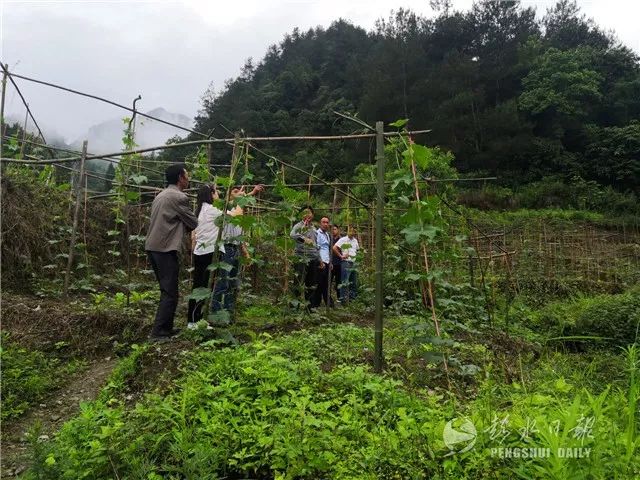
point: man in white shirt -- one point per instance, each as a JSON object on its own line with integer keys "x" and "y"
{"x": 347, "y": 248}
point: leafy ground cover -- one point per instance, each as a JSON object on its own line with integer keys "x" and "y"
{"x": 300, "y": 401}
{"x": 28, "y": 375}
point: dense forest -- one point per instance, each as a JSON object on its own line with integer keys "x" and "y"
{"x": 510, "y": 94}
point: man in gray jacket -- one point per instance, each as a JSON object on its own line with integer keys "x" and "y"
{"x": 307, "y": 261}
{"x": 171, "y": 215}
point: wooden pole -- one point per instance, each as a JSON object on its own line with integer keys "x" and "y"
{"x": 76, "y": 214}
{"x": 230, "y": 140}
{"x": 24, "y": 134}
{"x": 4, "y": 91}
{"x": 425, "y": 257}
{"x": 378, "y": 354}
{"x": 285, "y": 281}
{"x": 235, "y": 157}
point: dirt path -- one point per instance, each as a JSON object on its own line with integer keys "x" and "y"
{"x": 52, "y": 412}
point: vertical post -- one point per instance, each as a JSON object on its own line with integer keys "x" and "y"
{"x": 4, "y": 91}
{"x": 285, "y": 281}
{"x": 216, "y": 260}
{"x": 76, "y": 214}
{"x": 379, "y": 249}
{"x": 24, "y": 134}
{"x": 209, "y": 157}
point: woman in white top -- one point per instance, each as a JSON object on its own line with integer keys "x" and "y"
{"x": 347, "y": 248}
{"x": 203, "y": 240}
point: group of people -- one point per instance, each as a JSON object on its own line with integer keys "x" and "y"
{"x": 321, "y": 258}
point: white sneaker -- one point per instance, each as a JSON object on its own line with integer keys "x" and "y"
{"x": 192, "y": 326}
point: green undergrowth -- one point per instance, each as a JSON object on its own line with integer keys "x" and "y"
{"x": 307, "y": 405}
{"x": 29, "y": 375}
{"x": 597, "y": 320}
{"x": 126, "y": 368}
{"x": 523, "y": 217}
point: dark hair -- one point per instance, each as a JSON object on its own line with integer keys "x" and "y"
{"x": 205, "y": 193}
{"x": 173, "y": 172}
{"x": 307, "y": 207}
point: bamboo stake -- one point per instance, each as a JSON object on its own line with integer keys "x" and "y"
{"x": 2, "y": 122}
{"x": 84, "y": 224}
{"x": 426, "y": 266}
{"x": 74, "y": 229}
{"x": 426, "y": 257}
{"x": 285, "y": 284}
{"x": 216, "y": 248}
{"x": 24, "y": 134}
{"x": 228, "y": 141}
{"x": 379, "y": 290}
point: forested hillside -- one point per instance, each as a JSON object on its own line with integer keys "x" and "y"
{"x": 509, "y": 94}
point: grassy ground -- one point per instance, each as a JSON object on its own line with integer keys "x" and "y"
{"x": 282, "y": 395}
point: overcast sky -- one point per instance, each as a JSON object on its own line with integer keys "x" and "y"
{"x": 170, "y": 51}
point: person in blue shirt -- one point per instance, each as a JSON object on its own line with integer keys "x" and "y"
{"x": 323, "y": 240}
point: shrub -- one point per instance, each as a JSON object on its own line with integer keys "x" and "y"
{"x": 612, "y": 317}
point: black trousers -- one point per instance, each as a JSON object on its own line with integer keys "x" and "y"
{"x": 200, "y": 280}
{"x": 336, "y": 277}
{"x": 165, "y": 266}
{"x": 306, "y": 275}
{"x": 322, "y": 287}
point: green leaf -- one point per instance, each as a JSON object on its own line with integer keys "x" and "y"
{"x": 221, "y": 318}
{"x": 420, "y": 154}
{"x": 399, "y": 123}
{"x": 437, "y": 341}
{"x": 243, "y": 221}
{"x": 138, "y": 179}
{"x": 223, "y": 181}
{"x": 415, "y": 233}
{"x": 199, "y": 294}
{"x": 413, "y": 277}
{"x": 245, "y": 200}
{"x": 227, "y": 267}
{"x": 433, "y": 357}
{"x": 131, "y": 196}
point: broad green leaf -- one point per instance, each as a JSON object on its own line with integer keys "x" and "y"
{"x": 399, "y": 123}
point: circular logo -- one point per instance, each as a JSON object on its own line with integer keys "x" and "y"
{"x": 459, "y": 435}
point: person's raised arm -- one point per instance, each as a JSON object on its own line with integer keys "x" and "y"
{"x": 257, "y": 189}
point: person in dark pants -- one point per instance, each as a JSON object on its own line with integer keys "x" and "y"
{"x": 228, "y": 281}
{"x": 171, "y": 215}
{"x": 203, "y": 241}
{"x": 336, "y": 260}
{"x": 348, "y": 248}
{"x": 307, "y": 258}
{"x": 323, "y": 239}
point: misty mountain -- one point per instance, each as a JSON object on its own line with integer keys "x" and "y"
{"x": 51, "y": 135}
{"x": 106, "y": 137}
